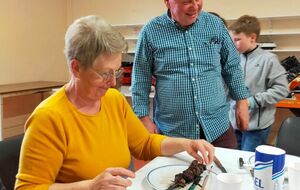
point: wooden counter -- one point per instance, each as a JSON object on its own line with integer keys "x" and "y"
{"x": 285, "y": 108}
{"x": 17, "y": 101}
{"x": 10, "y": 89}
{"x": 293, "y": 103}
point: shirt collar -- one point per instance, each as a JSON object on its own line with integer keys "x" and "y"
{"x": 249, "y": 52}
{"x": 177, "y": 24}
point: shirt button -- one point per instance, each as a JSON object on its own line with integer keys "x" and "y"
{"x": 190, "y": 48}
{"x": 195, "y": 97}
{"x": 197, "y": 126}
{"x": 196, "y": 113}
{"x": 193, "y": 79}
{"x": 192, "y": 64}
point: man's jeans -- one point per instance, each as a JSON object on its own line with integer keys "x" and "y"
{"x": 249, "y": 140}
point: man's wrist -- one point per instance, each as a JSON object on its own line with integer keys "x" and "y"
{"x": 251, "y": 102}
{"x": 145, "y": 117}
{"x": 243, "y": 102}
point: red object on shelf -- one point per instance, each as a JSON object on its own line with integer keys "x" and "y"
{"x": 153, "y": 81}
{"x": 127, "y": 70}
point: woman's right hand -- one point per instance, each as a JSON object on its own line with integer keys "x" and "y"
{"x": 112, "y": 178}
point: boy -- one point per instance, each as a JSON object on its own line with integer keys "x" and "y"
{"x": 266, "y": 81}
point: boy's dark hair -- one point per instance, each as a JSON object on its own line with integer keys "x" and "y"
{"x": 246, "y": 24}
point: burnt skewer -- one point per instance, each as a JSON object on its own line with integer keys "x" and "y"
{"x": 189, "y": 175}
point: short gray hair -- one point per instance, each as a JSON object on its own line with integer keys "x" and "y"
{"x": 90, "y": 36}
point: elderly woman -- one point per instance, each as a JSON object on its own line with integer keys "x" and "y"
{"x": 83, "y": 136}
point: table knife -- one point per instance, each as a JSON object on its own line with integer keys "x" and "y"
{"x": 219, "y": 165}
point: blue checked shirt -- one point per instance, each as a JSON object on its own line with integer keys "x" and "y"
{"x": 189, "y": 66}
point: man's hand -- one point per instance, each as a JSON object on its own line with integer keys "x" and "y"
{"x": 242, "y": 114}
{"x": 148, "y": 123}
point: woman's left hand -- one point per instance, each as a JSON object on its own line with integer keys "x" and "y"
{"x": 112, "y": 178}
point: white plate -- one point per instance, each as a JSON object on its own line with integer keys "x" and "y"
{"x": 162, "y": 177}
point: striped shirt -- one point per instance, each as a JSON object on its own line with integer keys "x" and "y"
{"x": 189, "y": 66}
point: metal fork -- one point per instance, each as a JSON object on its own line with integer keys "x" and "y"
{"x": 249, "y": 167}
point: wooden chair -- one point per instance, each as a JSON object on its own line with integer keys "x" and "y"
{"x": 289, "y": 135}
{"x": 9, "y": 160}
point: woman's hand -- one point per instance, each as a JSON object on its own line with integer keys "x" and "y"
{"x": 172, "y": 145}
{"x": 112, "y": 178}
{"x": 207, "y": 150}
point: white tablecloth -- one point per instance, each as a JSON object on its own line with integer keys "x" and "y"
{"x": 228, "y": 157}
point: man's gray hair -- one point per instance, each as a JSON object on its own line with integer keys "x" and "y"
{"x": 90, "y": 36}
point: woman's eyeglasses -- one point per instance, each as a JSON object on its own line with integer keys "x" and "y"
{"x": 108, "y": 76}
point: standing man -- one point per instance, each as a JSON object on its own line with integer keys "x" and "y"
{"x": 190, "y": 53}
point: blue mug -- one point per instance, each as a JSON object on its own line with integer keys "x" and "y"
{"x": 269, "y": 168}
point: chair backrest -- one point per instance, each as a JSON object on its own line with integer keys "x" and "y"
{"x": 9, "y": 160}
{"x": 289, "y": 135}
{"x": 1, "y": 185}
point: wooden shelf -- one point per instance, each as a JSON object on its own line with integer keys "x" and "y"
{"x": 285, "y": 50}
{"x": 282, "y": 30}
{"x": 140, "y": 25}
{"x": 272, "y": 18}
{"x": 129, "y": 31}
{"x": 17, "y": 101}
{"x": 11, "y": 89}
{"x": 132, "y": 38}
{"x": 125, "y": 90}
{"x": 278, "y": 33}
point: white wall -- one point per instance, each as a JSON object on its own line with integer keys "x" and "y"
{"x": 260, "y": 8}
{"x": 117, "y": 12}
{"x": 32, "y": 31}
{"x": 140, "y": 11}
{"x": 31, "y": 40}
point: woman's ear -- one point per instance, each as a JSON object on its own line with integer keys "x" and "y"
{"x": 75, "y": 68}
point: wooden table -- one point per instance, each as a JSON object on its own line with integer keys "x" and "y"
{"x": 292, "y": 103}
{"x": 289, "y": 107}
{"x": 228, "y": 157}
{"x": 17, "y": 101}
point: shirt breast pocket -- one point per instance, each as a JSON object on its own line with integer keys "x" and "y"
{"x": 208, "y": 54}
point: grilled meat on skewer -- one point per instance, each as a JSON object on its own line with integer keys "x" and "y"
{"x": 187, "y": 176}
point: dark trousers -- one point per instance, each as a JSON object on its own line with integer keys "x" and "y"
{"x": 226, "y": 140}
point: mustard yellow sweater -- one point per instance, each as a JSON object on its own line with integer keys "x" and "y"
{"x": 64, "y": 145}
